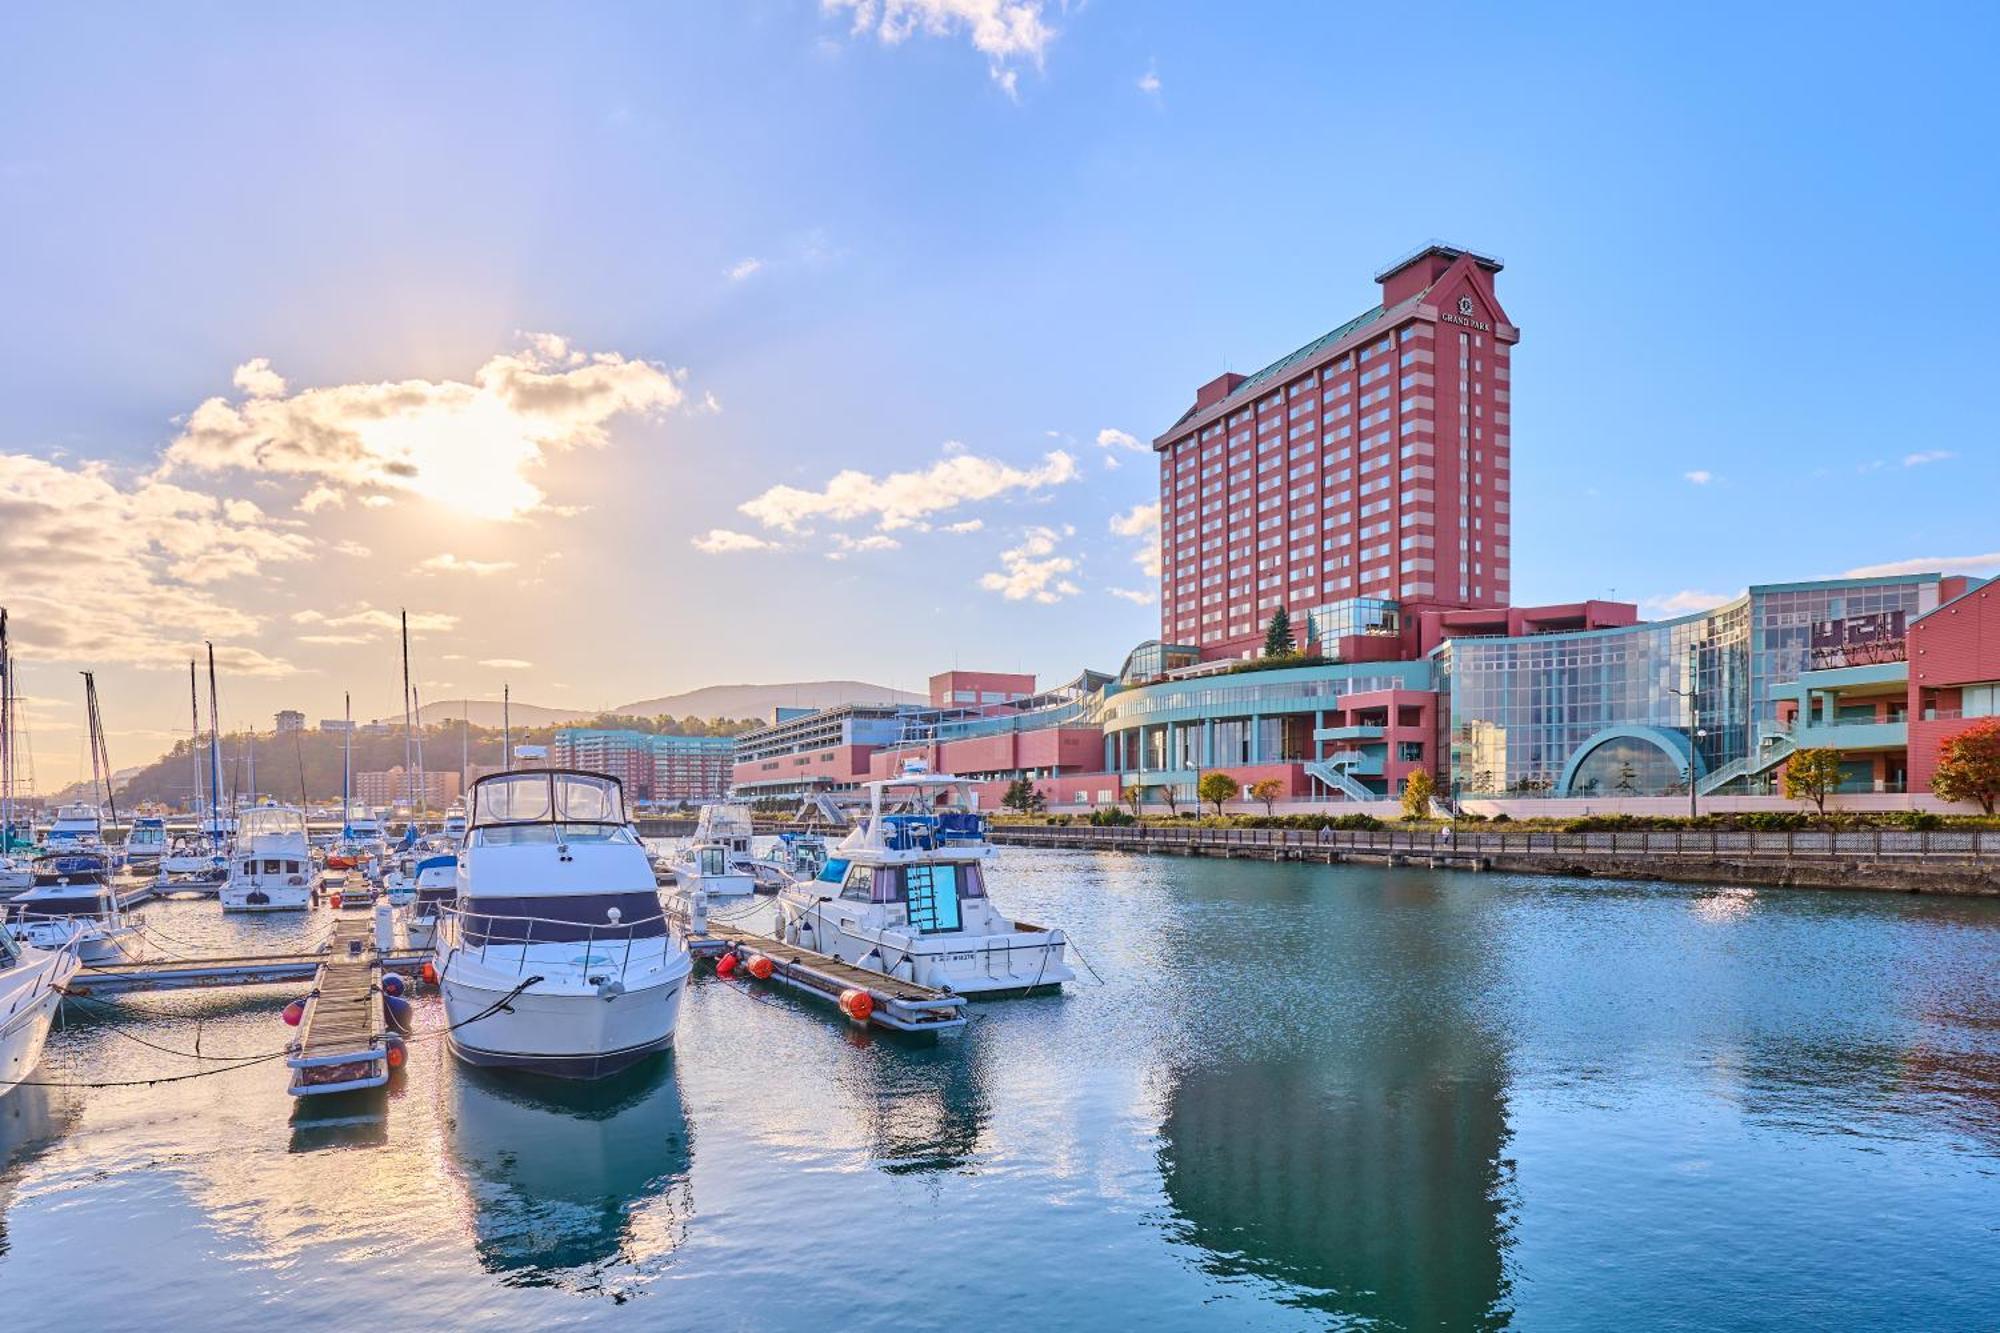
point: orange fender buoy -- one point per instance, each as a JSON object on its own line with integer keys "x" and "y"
{"x": 760, "y": 967}
{"x": 430, "y": 973}
{"x": 857, "y": 1004}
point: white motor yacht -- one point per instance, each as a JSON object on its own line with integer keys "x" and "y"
{"x": 271, "y": 867}
{"x": 905, "y": 894}
{"x": 77, "y": 826}
{"x": 437, "y": 889}
{"x": 31, "y": 987}
{"x": 146, "y": 844}
{"x": 556, "y": 956}
{"x": 74, "y": 903}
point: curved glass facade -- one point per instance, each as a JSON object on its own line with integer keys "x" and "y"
{"x": 1628, "y": 766}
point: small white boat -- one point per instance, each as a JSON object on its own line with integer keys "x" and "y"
{"x": 556, "y": 956}
{"x": 74, "y": 904}
{"x": 17, "y": 875}
{"x": 905, "y": 895}
{"x": 437, "y": 889}
{"x": 146, "y": 845}
{"x": 794, "y": 856}
{"x": 454, "y": 823}
{"x": 31, "y": 986}
{"x": 77, "y": 826}
{"x": 271, "y": 867}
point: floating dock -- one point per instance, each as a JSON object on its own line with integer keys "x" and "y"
{"x": 902, "y": 1006}
{"x": 343, "y": 1039}
{"x": 266, "y": 969}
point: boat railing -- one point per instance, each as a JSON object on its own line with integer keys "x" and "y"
{"x": 493, "y": 953}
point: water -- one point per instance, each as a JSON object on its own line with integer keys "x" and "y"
{"x": 1305, "y": 1097}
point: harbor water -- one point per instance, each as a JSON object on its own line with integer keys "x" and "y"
{"x": 1301, "y": 1097}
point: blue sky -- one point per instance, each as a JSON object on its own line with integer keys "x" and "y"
{"x": 780, "y": 241}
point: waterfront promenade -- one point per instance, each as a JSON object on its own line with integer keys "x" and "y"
{"x": 1963, "y": 862}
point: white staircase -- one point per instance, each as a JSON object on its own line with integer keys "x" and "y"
{"x": 1339, "y": 781}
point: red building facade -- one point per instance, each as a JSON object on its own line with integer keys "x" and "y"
{"x": 1372, "y": 463}
{"x": 1954, "y": 656}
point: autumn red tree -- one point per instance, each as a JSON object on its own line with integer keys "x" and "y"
{"x": 1969, "y": 766}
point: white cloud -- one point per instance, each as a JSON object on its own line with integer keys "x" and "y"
{"x": 1112, "y": 438}
{"x": 905, "y": 499}
{"x": 334, "y": 640}
{"x": 968, "y": 525}
{"x": 99, "y": 571}
{"x": 1141, "y": 522}
{"x": 844, "y": 545}
{"x": 1149, "y": 82}
{"x": 743, "y": 268}
{"x": 256, "y": 378}
{"x": 466, "y": 445}
{"x": 1686, "y": 602}
{"x": 1931, "y": 564}
{"x": 1002, "y": 30}
{"x": 1136, "y": 596}
{"x": 1700, "y": 476}
{"x": 1927, "y": 456}
{"x": 1034, "y": 570}
{"x": 721, "y": 541}
{"x": 505, "y": 663}
{"x": 447, "y": 563}
{"x": 374, "y": 618}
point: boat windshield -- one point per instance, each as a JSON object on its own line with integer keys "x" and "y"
{"x": 528, "y": 835}
{"x": 271, "y": 822}
{"x": 543, "y": 797}
{"x": 602, "y": 918}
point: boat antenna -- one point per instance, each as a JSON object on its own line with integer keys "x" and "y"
{"x": 464, "y": 744}
{"x": 346, "y": 760}
{"x": 423, "y": 787}
{"x": 6, "y": 741}
{"x": 299, "y": 750}
{"x": 506, "y": 728}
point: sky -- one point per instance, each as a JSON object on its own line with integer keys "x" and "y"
{"x": 635, "y": 348}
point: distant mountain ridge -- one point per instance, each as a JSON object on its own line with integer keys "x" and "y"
{"x": 738, "y": 701}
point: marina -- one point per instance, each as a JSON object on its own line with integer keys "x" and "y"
{"x": 1444, "y": 1071}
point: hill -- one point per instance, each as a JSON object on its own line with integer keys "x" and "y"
{"x": 751, "y": 701}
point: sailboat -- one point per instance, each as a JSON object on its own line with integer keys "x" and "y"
{"x": 75, "y": 902}
{"x": 16, "y": 874}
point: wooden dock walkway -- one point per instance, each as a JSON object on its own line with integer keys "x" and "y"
{"x": 342, "y": 1044}
{"x": 265, "y": 969}
{"x": 902, "y": 1006}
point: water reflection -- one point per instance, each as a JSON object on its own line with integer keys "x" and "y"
{"x": 32, "y": 1120}
{"x": 562, "y": 1177}
{"x": 926, "y": 1104}
{"x": 1357, "y": 1158}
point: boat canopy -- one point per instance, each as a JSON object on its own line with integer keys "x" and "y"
{"x": 547, "y": 796}
{"x": 271, "y": 821}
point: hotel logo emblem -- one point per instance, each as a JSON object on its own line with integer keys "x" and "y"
{"x": 1464, "y": 305}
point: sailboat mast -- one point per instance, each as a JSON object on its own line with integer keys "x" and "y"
{"x": 100, "y": 756}
{"x": 423, "y": 788}
{"x": 215, "y": 808}
{"x": 409, "y": 754}
{"x": 506, "y": 728}
{"x": 194, "y": 739}
{"x": 6, "y": 740}
{"x": 346, "y": 758}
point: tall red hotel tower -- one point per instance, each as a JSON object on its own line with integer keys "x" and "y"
{"x": 1355, "y": 482}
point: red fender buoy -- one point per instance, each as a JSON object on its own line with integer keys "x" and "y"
{"x": 857, "y": 1004}
{"x": 335, "y": 900}
{"x": 295, "y": 1013}
{"x": 397, "y": 1052}
{"x": 725, "y": 965}
{"x": 429, "y": 973}
{"x": 760, "y": 967}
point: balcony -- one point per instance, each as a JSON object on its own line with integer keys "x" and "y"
{"x": 1360, "y": 763}
{"x": 1855, "y": 734}
{"x": 1365, "y": 731}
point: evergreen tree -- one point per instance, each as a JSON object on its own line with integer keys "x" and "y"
{"x": 1278, "y": 638}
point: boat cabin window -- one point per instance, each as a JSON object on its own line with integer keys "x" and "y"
{"x": 538, "y": 797}
{"x": 931, "y": 894}
{"x": 563, "y": 919}
{"x": 834, "y": 871}
{"x": 713, "y": 861}
{"x": 860, "y": 884}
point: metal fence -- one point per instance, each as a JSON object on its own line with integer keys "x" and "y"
{"x": 1972, "y": 846}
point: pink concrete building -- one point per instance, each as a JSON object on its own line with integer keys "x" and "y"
{"x": 1372, "y": 463}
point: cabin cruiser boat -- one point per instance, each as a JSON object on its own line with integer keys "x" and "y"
{"x": 145, "y": 845}
{"x": 437, "y": 889}
{"x": 363, "y": 846}
{"x": 709, "y": 869}
{"x": 454, "y": 823}
{"x": 197, "y": 858}
{"x": 556, "y": 957}
{"x": 74, "y": 904}
{"x": 17, "y": 875}
{"x": 794, "y": 856}
{"x": 76, "y": 826}
{"x": 727, "y": 824}
{"x": 271, "y": 867}
{"x": 31, "y": 989}
{"x": 905, "y": 895}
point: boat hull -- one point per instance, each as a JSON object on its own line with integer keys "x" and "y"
{"x": 34, "y": 995}
{"x": 259, "y": 899}
{"x": 573, "y": 1034}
